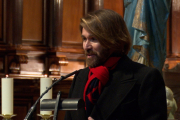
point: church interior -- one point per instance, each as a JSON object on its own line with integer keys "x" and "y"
{"x": 41, "y": 38}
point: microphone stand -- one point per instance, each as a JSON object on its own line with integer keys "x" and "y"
{"x": 57, "y": 105}
{"x": 34, "y": 106}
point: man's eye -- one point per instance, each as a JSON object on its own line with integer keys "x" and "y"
{"x": 83, "y": 38}
{"x": 93, "y": 39}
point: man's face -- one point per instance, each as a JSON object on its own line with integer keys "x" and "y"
{"x": 95, "y": 53}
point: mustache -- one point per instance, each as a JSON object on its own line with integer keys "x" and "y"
{"x": 90, "y": 52}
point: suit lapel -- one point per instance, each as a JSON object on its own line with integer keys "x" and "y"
{"x": 115, "y": 91}
{"x": 80, "y": 83}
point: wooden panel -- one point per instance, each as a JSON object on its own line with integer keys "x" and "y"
{"x": 72, "y": 12}
{"x": 58, "y": 11}
{"x": 17, "y": 21}
{"x": 92, "y": 5}
{"x": 175, "y": 28}
{"x": 1, "y": 65}
{"x": 32, "y": 20}
{"x": 72, "y": 66}
{"x": 116, "y": 5}
{"x": 21, "y": 112}
{"x": 1, "y": 16}
{"x": 12, "y": 21}
{"x": 8, "y": 20}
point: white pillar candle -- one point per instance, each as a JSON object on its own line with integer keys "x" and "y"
{"x": 7, "y": 95}
{"x": 44, "y": 84}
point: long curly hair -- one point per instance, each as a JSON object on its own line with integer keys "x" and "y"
{"x": 109, "y": 28}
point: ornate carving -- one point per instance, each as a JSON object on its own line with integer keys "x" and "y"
{"x": 63, "y": 61}
{"x": 16, "y": 61}
{"x": 14, "y": 67}
{"x": 176, "y": 68}
{"x": 23, "y": 59}
{"x": 54, "y": 69}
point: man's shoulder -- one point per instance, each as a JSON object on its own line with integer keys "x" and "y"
{"x": 127, "y": 64}
{"x": 83, "y": 71}
{"x": 141, "y": 68}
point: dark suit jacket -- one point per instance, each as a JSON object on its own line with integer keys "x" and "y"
{"x": 133, "y": 92}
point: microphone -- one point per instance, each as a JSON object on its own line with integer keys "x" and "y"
{"x": 65, "y": 104}
{"x": 34, "y": 106}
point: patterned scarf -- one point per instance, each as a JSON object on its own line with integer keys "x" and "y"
{"x": 97, "y": 79}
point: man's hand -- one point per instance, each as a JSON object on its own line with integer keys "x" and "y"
{"x": 90, "y": 118}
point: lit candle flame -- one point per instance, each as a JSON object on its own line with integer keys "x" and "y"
{"x": 45, "y": 75}
{"x": 7, "y": 75}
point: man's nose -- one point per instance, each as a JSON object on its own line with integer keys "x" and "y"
{"x": 87, "y": 45}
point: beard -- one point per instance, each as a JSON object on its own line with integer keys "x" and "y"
{"x": 98, "y": 59}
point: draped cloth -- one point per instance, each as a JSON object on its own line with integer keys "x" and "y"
{"x": 97, "y": 79}
{"x": 146, "y": 21}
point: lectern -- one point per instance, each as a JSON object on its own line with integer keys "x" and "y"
{"x": 61, "y": 104}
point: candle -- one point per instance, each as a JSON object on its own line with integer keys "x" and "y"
{"x": 7, "y": 95}
{"x": 44, "y": 84}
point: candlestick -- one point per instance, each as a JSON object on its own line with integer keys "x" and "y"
{"x": 45, "y": 117}
{"x": 44, "y": 84}
{"x": 7, "y": 116}
{"x": 7, "y": 96}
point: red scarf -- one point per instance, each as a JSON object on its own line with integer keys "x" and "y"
{"x": 97, "y": 79}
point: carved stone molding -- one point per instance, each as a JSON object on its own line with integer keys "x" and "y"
{"x": 171, "y": 75}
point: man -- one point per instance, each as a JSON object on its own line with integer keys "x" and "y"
{"x": 112, "y": 86}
